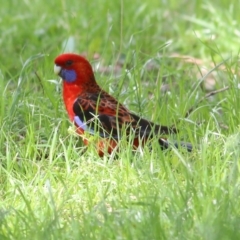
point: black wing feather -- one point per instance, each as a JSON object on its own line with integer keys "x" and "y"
{"x": 111, "y": 116}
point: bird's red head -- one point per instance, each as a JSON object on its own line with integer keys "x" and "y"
{"x": 74, "y": 69}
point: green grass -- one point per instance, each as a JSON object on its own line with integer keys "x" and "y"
{"x": 51, "y": 187}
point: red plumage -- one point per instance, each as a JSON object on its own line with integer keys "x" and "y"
{"x": 87, "y": 104}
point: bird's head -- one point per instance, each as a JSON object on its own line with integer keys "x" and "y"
{"x": 74, "y": 69}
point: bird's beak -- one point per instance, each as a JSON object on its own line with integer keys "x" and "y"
{"x": 57, "y": 69}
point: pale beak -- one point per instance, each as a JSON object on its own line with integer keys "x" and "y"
{"x": 57, "y": 69}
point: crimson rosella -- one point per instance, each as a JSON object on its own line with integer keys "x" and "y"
{"x": 87, "y": 104}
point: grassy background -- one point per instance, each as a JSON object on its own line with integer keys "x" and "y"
{"x": 51, "y": 188}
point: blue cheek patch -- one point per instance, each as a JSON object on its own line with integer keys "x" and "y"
{"x": 68, "y": 75}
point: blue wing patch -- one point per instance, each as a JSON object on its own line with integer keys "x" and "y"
{"x": 80, "y": 123}
{"x": 83, "y": 125}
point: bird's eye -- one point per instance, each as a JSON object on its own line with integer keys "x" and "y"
{"x": 68, "y": 62}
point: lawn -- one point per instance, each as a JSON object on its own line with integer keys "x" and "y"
{"x": 172, "y": 62}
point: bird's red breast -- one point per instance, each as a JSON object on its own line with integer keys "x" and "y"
{"x": 92, "y": 109}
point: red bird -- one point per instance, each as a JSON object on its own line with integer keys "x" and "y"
{"x": 87, "y": 104}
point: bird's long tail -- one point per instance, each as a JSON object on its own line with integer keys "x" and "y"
{"x": 165, "y": 144}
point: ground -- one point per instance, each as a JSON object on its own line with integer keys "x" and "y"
{"x": 159, "y": 58}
